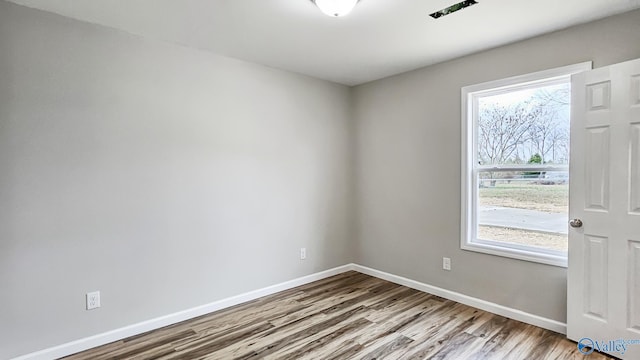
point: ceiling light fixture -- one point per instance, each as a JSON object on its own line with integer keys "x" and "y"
{"x": 335, "y": 8}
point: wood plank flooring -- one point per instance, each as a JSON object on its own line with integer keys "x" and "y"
{"x": 348, "y": 316}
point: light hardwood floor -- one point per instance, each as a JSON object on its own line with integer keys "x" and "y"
{"x": 348, "y": 316}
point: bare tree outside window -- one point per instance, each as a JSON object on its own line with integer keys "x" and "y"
{"x": 503, "y": 129}
{"x": 514, "y": 126}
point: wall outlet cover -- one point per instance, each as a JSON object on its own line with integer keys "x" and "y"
{"x": 93, "y": 300}
{"x": 446, "y": 263}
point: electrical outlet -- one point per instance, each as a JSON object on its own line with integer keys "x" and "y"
{"x": 446, "y": 263}
{"x": 93, "y": 300}
{"x": 303, "y": 253}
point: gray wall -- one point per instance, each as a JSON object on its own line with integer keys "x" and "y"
{"x": 408, "y": 166}
{"x": 162, "y": 176}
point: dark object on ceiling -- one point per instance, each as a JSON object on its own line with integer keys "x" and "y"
{"x": 453, "y": 8}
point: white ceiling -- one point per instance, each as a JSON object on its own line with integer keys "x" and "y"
{"x": 379, "y": 38}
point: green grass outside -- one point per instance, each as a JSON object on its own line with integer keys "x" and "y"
{"x": 526, "y": 195}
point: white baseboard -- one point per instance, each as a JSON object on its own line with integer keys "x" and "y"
{"x": 142, "y": 327}
{"x": 494, "y": 308}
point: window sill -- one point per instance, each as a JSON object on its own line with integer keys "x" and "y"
{"x": 547, "y": 257}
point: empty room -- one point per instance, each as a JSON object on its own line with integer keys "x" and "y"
{"x": 319, "y": 179}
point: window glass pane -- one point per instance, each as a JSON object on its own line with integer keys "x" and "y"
{"x": 525, "y": 126}
{"x": 525, "y": 208}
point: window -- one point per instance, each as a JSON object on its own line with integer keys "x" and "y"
{"x": 515, "y": 165}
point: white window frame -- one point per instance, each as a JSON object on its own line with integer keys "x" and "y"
{"x": 470, "y": 167}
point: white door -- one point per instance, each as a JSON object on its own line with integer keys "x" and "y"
{"x": 604, "y": 253}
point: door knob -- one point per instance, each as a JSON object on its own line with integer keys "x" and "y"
{"x": 576, "y": 223}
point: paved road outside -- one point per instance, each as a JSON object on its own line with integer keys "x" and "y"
{"x": 523, "y": 219}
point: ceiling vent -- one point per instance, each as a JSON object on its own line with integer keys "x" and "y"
{"x": 453, "y": 8}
